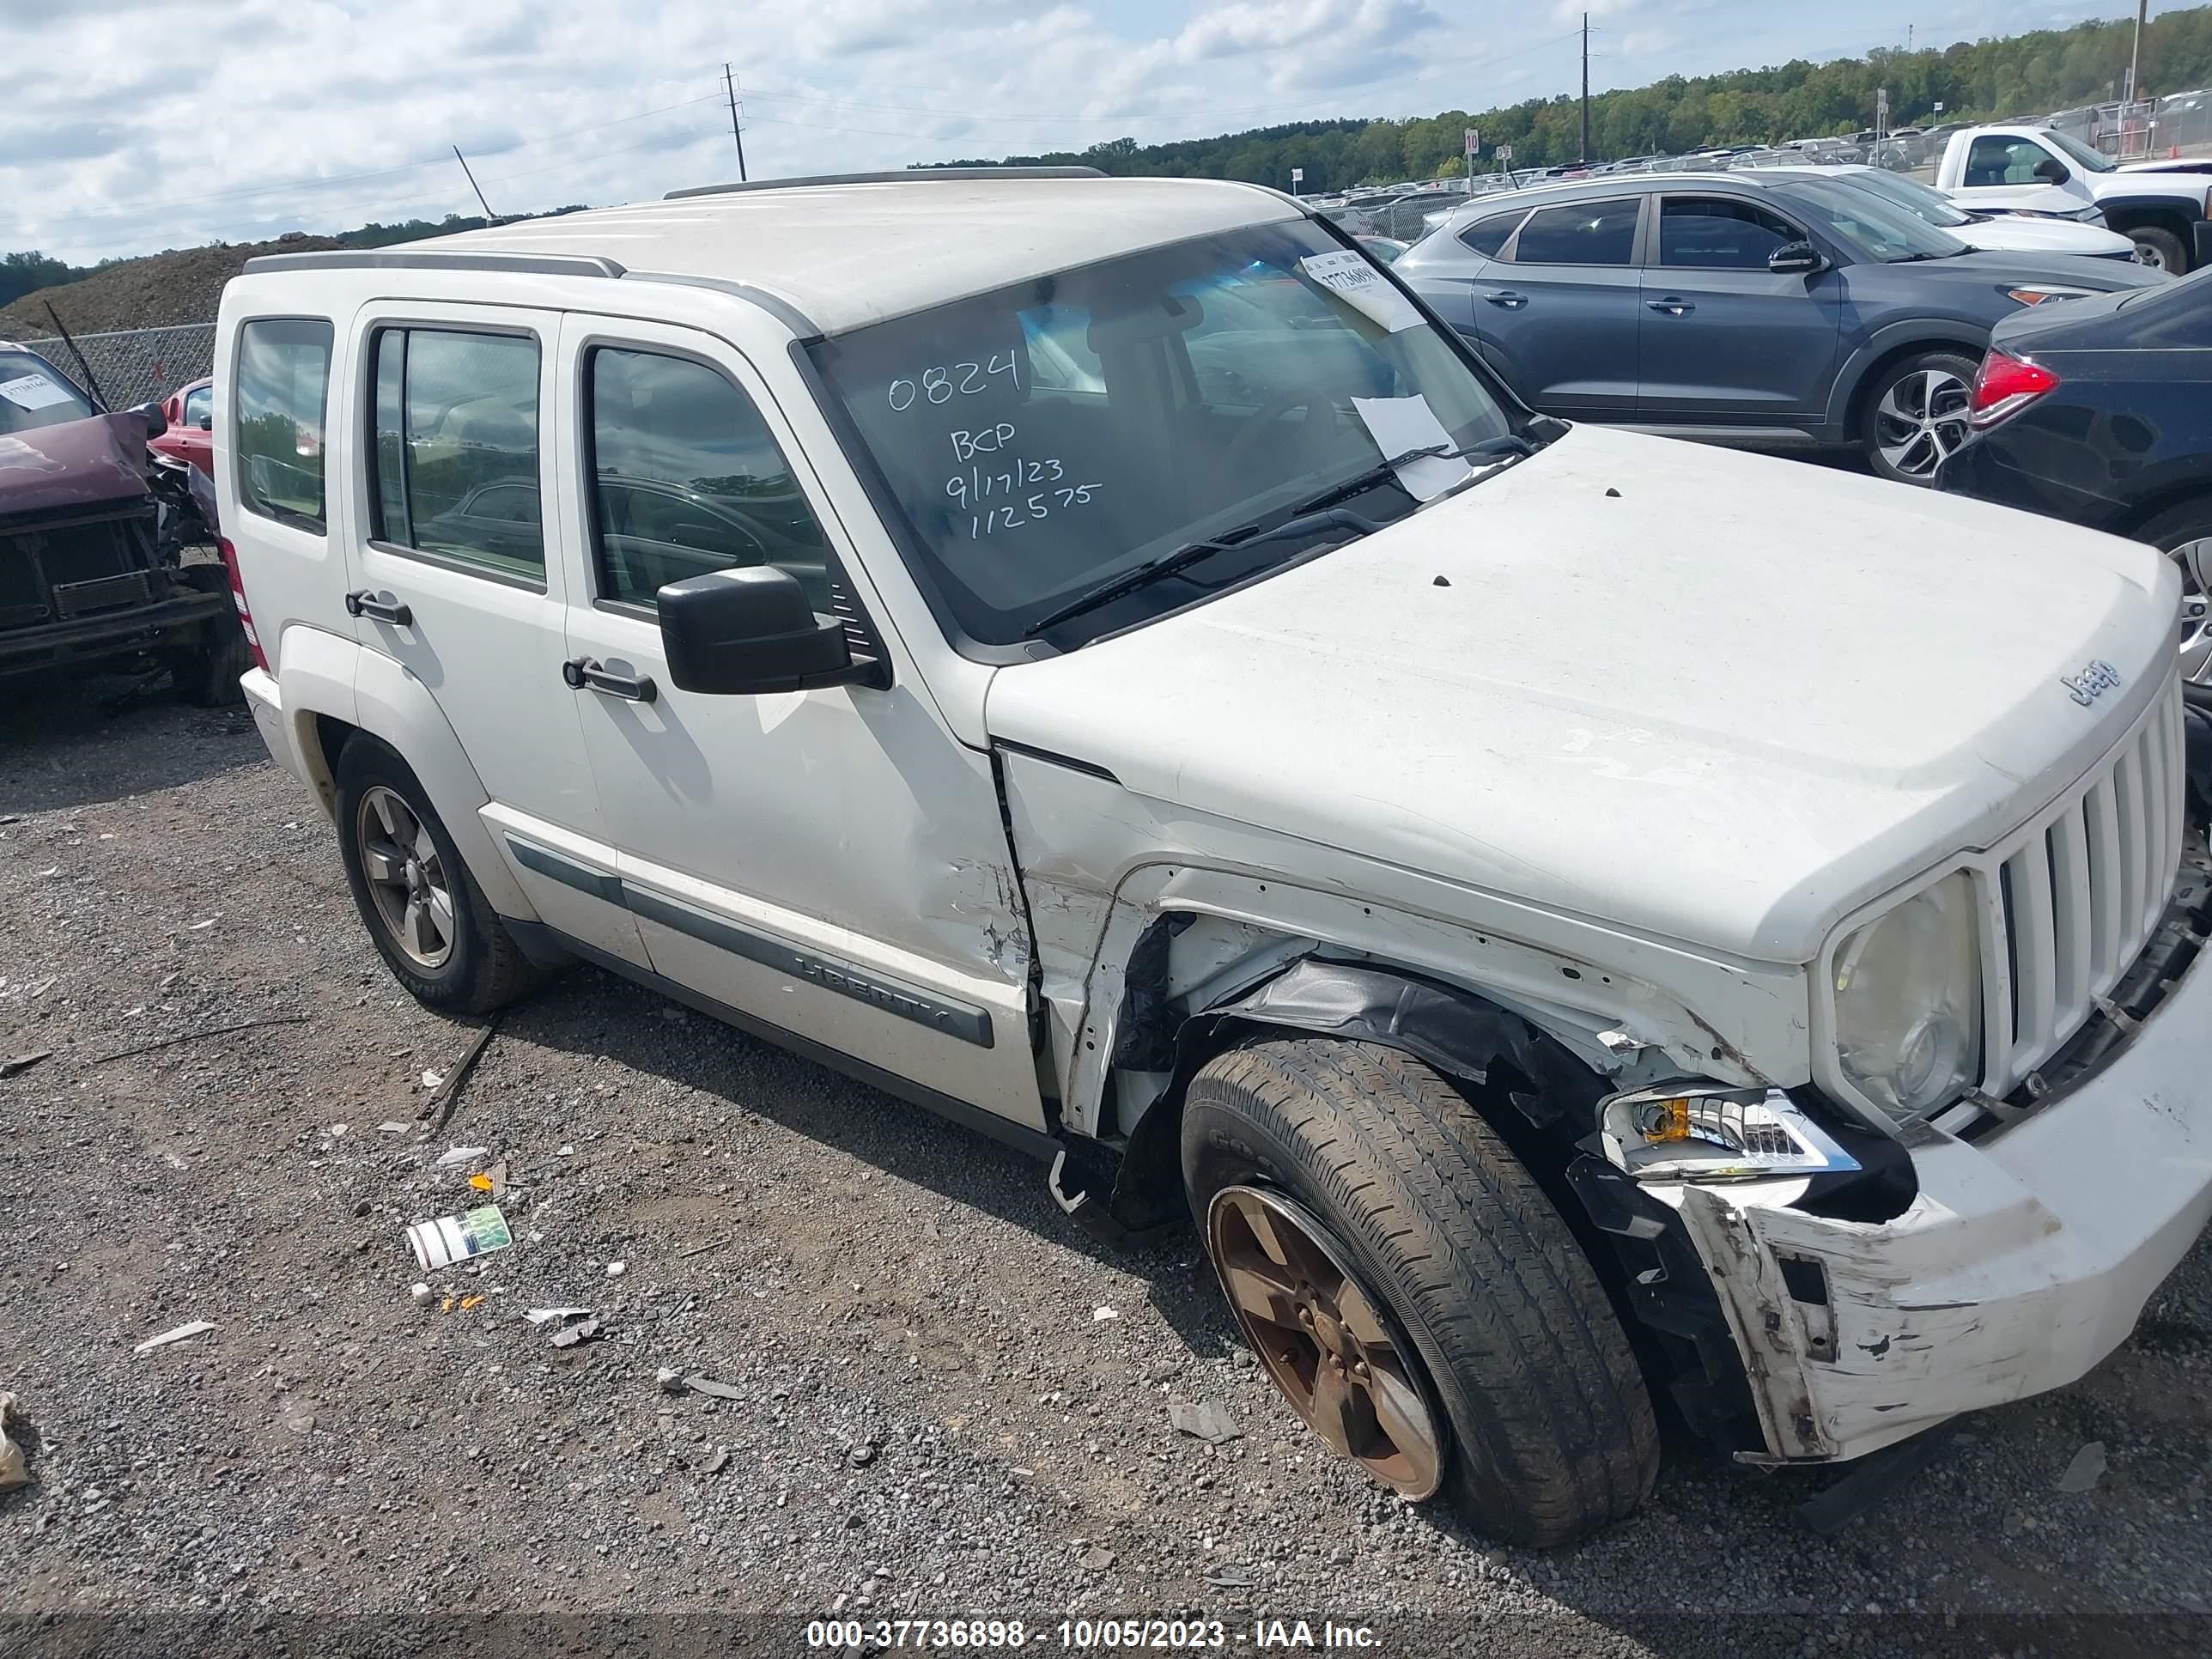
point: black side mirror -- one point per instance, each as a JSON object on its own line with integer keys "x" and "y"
{"x": 749, "y": 631}
{"x": 156, "y": 422}
{"x": 2053, "y": 171}
{"x": 1795, "y": 258}
{"x": 206, "y": 423}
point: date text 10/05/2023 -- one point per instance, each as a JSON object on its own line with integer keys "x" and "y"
{"x": 1090, "y": 1635}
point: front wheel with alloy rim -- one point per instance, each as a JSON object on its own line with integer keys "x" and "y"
{"x": 428, "y": 919}
{"x": 2183, "y": 534}
{"x": 1410, "y": 1290}
{"x": 1916, "y": 415}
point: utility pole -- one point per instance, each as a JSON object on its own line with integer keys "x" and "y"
{"x": 473, "y": 184}
{"x": 1585, "y": 154}
{"x": 2134, "y": 57}
{"x": 730, "y": 86}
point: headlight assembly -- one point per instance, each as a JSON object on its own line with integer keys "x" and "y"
{"x": 1907, "y": 991}
{"x": 2042, "y": 293}
{"x": 1708, "y": 1131}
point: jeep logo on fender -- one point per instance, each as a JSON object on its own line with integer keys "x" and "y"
{"x": 2091, "y": 683}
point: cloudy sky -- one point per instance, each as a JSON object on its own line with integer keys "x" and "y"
{"x": 129, "y": 126}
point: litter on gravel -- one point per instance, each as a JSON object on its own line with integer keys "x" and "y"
{"x": 570, "y": 1335}
{"x": 2085, "y": 1470}
{"x": 707, "y": 1385}
{"x": 461, "y": 1157}
{"x": 1204, "y": 1421}
{"x": 450, "y": 1238}
{"x": 24, "y": 1062}
{"x": 1100, "y": 1315}
{"x": 193, "y": 1328}
{"x": 546, "y": 1315}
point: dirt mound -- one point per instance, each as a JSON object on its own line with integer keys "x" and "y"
{"x": 184, "y": 286}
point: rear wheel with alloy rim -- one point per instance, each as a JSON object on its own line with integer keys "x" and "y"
{"x": 1916, "y": 415}
{"x": 2184, "y": 533}
{"x": 1410, "y": 1290}
{"x": 428, "y": 919}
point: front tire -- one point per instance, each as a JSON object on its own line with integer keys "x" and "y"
{"x": 430, "y": 921}
{"x": 1916, "y": 415}
{"x": 206, "y": 670}
{"x": 1477, "y": 1319}
{"x": 2162, "y": 250}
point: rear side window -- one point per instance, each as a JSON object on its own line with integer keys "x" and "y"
{"x": 1487, "y": 236}
{"x": 1717, "y": 233}
{"x": 199, "y": 405}
{"x": 686, "y": 478}
{"x": 454, "y": 464}
{"x": 283, "y": 397}
{"x": 1579, "y": 234}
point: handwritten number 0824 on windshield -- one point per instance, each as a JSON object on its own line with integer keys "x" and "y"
{"x": 941, "y": 384}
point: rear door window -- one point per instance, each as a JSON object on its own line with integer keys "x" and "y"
{"x": 454, "y": 464}
{"x": 1579, "y": 234}
{"x": 283, "y": 401}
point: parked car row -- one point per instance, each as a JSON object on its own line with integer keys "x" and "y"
{"x": 1578, "y": 921}
{"x": 1776, "y": 307}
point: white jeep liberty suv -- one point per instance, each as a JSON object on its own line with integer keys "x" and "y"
{"x": 1579, "y": 918}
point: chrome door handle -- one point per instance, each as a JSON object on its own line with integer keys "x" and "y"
{"x": 369, "y": 602}
{"x": 1508, "y": 298}
{"x": 580, "y": 671}
{"x": 1672, "y": 307}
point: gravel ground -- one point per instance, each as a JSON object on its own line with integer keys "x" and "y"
{"x": 938, "y": 1413}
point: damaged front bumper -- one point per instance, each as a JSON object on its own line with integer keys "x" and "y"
{"x": 2023, "y": 1260}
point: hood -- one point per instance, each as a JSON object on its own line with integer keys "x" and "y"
{"x": 1994, "y": 271}
{"x": 1724, "y": 706}
{"x": 2019, "y": 233}
{"x": 74, "y": 464}
{"x": 2169, "y": 164}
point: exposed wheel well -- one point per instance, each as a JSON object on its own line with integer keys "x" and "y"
{"x": 2171, "y": 220}
{"x": 330, "y": 735}
{"x": 1872, "y": 374}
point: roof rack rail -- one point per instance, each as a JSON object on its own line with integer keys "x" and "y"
{"x": 904, "y": 175}
{"x": 528, "y": 264}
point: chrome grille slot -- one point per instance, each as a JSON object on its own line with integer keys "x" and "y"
{"x": 2077, "y": 893}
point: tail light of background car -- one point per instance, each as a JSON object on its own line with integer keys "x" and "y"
{"x": 2004, "y": 385}
{"x": 237, "y": 598}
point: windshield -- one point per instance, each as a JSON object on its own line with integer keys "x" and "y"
{"x": 34, "y": 394}
{"x": 1915, "y": 197}
{"x": 1876, "y": 227}
{"x": 2080, "y": 153}
{"x": 1053, "y": 435}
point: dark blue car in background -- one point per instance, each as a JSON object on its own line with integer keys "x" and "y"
{"x": 1772, "y": 311}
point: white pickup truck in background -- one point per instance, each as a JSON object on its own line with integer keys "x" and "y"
{"x": 2161, "y": 206}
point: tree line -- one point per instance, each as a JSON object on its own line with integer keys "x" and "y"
{"x": 2034, "y": 74}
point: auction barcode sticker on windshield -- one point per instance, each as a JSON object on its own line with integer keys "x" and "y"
{"x": 32, "y": 392}
{"x": 1351, "y": 274}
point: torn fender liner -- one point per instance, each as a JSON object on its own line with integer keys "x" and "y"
{"x": 1454, "y": 1031}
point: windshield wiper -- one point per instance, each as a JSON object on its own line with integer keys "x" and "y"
{"x": 1167, "y": 564}
{"x": 1384, "y": 471}
{"x": 1915, "y": 259}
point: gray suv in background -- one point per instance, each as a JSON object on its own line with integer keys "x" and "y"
{"x": 1786, "y": 311}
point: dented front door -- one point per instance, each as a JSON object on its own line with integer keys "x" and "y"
{"x": 831, "y": 862}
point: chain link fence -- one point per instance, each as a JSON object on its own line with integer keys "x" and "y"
{"x": 134, "y": 366}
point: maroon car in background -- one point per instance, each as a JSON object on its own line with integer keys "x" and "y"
{"x": 95, "y": 534}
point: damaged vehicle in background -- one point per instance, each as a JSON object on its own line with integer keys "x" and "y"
{"x": 1128, "y": 678}
{"x": 95, "y": 532}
